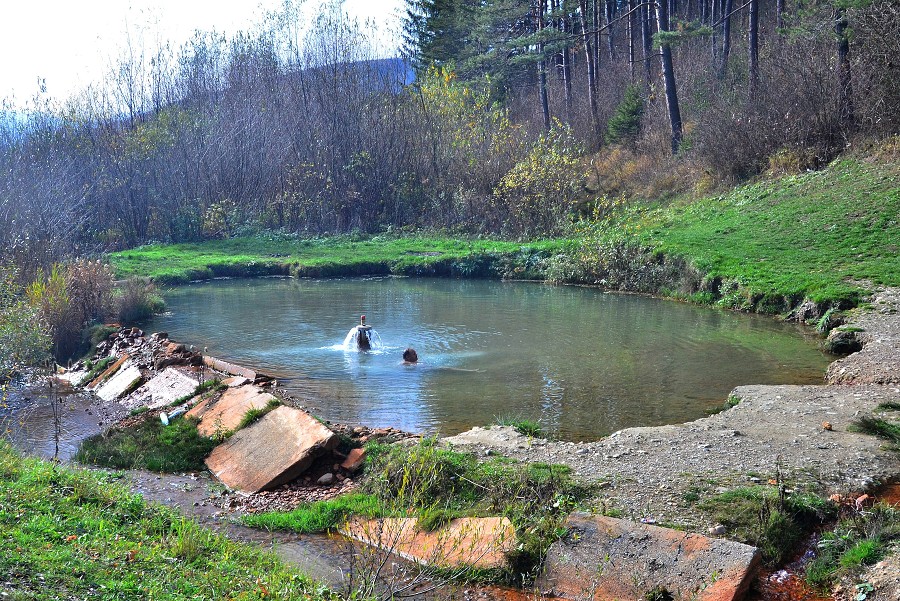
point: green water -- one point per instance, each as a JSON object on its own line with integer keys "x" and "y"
{"x": 581, "y": 362}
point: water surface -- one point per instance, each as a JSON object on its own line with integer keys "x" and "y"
{"x": 582, "y": 362}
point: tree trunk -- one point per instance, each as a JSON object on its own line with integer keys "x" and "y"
{"x": 753, "y": 46}
{"x": 668, "y": 71}
{"x": 647, "y": 42}
{"x": 726, "y": 37}
{"x": 589, "y": 57}
{"x": 779, "y": 14}
{"x": 631, "y": 36}
{"x": 542, "y": 68}
{"x": 845, "y": 83}
{"x": 610, "y": 29}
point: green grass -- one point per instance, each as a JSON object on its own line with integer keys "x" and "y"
{"x": 525, "y": 427}
{"x": 255, "y": 414}
{"x": 320, "y": 516}
{"x": 73, "y": 534}
{"x": 757, "y": 515}
{"x": 814, "y": 235}
{"x": 875, "y": 426}
{"x": 889, "y": 406}
{"x": 858, "y": 540}
{"x": 149, "y": 445}
{"x": 338, "y": 256}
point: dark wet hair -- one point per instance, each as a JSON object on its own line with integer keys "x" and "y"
{"x": 410, "y": 355}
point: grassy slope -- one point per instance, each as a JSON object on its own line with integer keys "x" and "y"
{"x": 825, "y": 235}
{"x": 67, "y": 534}
{"x": 334, "y": 256}
{"x": 817, "y": 234}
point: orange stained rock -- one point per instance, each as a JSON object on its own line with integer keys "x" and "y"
{"x": 475, "y": 542}
{"x": 226, "y": 413}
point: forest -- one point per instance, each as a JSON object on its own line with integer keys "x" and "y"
{"x": 503, "y": 118}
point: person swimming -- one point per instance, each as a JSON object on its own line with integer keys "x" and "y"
{"x": 410, "y": 355}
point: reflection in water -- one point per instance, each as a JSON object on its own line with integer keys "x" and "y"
{"x": 582, "y": 362}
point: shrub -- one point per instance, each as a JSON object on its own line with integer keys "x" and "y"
{"x": 24, "y": 339}
{"x": 137, "y": 300}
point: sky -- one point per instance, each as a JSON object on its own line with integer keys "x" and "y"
{"x": 70, "y": 43}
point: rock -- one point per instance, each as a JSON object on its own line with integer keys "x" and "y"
{"x": 229, "y": 368}
{"x": 477, "y": 542}
{"x": 165, "y": 388}
{"x": 807, "y": 311}
{"x": 326, "y": 479}
{"x": 235, "y": 381}
{"x": 160, "y": 335}
{"x": 827, "y": 426}
{"x": 608, "y": 558}
{"x": 124, "y": 379}
{"x": 174, "y": 347}
{"x": 841, "y": 342}
{"x": 354, "y": 460}
{"x": 717, "y": 530}
{"x": 274, "y": 450}
{"x": 227, "y": 412}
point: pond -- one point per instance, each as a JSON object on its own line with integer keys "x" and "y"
{"x": 581, "y": 362}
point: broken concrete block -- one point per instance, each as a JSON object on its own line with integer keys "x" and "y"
{"x": 274, "y": 450}
{"x": 608, "y": 558}
{"x": 226, "y": 413}
{"x": 354, "y": 460}
{"x": 229, "y": 368}
{"x": 108, "y": 372}
{"x": 474, "y": 542}
{"x": 119, "y": 383}
{"x": 235, "y": 381}
{"x": 165, "y": 388}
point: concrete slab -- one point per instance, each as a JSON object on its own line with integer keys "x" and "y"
{"x": 117, "y": 385}
{"x": 165, "y": 388}
{"x": 227, "y": 412}
{"x": 235, "y": 381}
{"x": 108, "y": 372}
{"x": 607, "y": 558}
{"x": 475, "y": 542}
{"x": 274, "y": 450}
{"x": 229, "y": 368}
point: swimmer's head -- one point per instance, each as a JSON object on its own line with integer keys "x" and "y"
{"x": 410, "y": 355}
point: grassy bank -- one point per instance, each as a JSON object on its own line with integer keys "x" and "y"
{"x": 828, "y": 236}
{"x": 339, "y": 256}
{"x": 67, "y": 534}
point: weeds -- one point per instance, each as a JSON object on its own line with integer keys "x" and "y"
{"x": 732, "y": 401}
{"x": 255, "y": 414}
{"x": 859, "y": 539}
{"x": 525, "y": 427}
{"x": 889, "y": 406}
{"x": 98, "y": 368}
{"x": 149, "y": 445}
{"x": 875, "y": 426}
{"x": 768, "y": 518}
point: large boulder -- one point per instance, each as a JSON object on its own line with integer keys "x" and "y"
{"x": 607, "y": 558}
{"x": 274, "y": 450}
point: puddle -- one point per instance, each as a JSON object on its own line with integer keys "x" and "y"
{"x": 29, "y": 422}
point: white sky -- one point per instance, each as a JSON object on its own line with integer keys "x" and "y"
{"x": 71, "y": 43}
